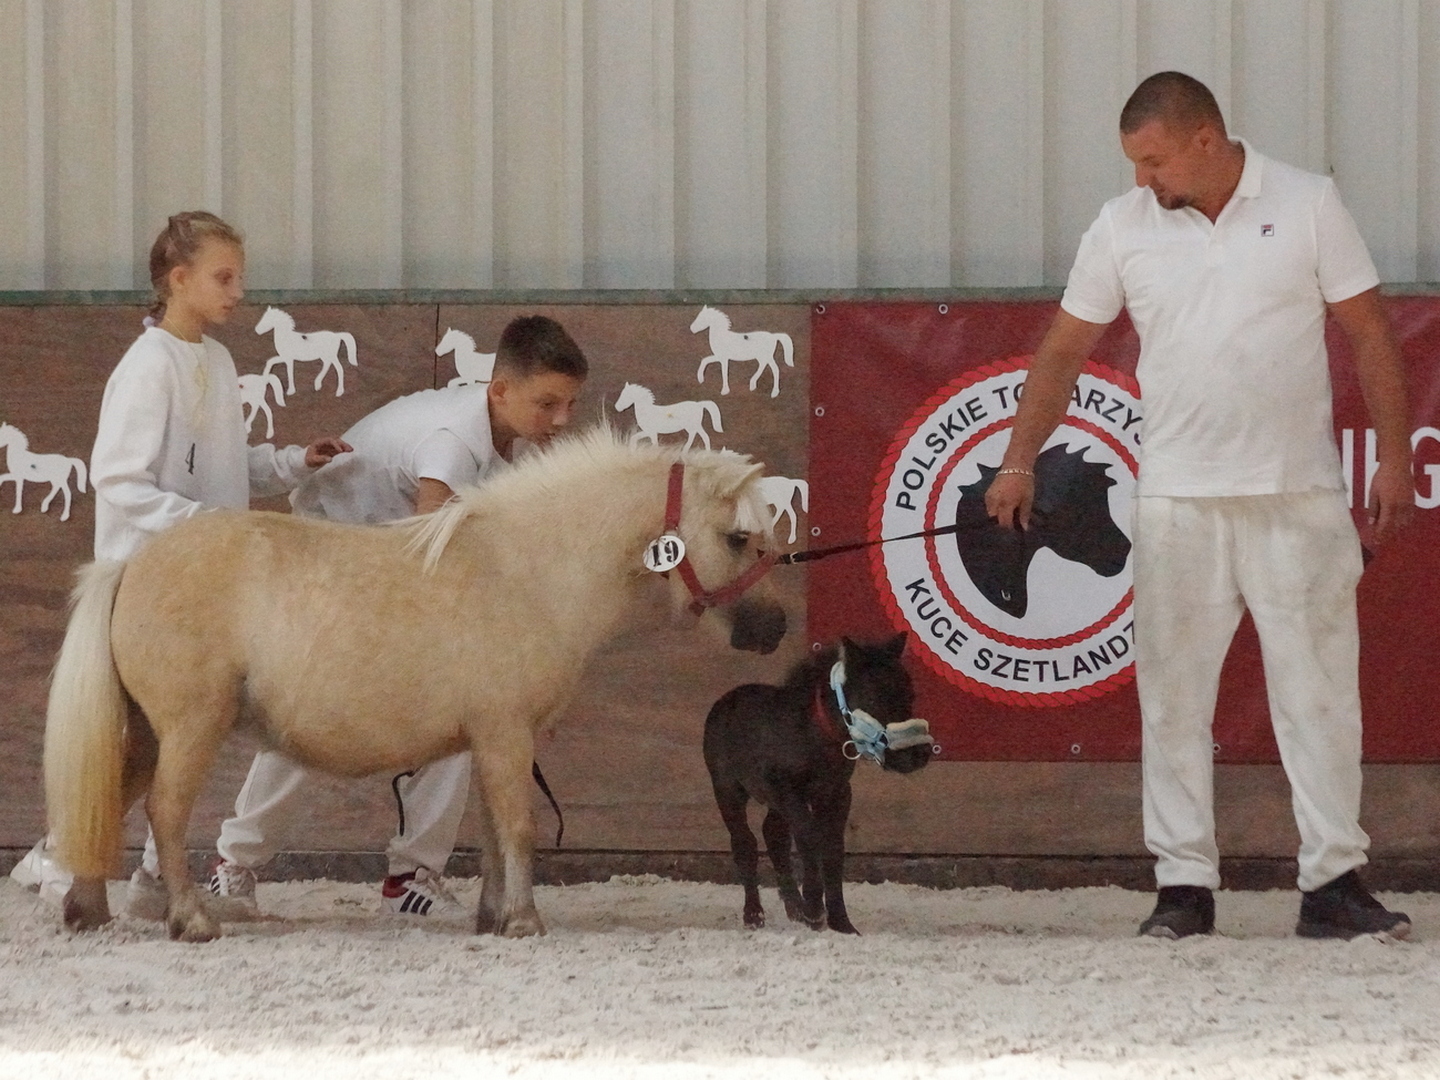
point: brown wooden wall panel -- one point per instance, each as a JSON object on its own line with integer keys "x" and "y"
{"x": 626, "y": 757}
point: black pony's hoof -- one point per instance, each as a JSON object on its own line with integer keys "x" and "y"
{"x": 754, "y": 919}
{"x": 842, "y": 925}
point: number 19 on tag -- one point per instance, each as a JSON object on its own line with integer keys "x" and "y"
{"x": 664, "y": 553}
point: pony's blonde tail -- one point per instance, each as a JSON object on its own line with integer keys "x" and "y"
{"x": 84, "y": 732}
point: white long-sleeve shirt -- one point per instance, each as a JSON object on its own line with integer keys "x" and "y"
{"x": 171, "y": 442}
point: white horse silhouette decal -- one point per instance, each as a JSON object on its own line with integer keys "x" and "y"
{"x": 291, "y": 345}
{"x": 472, "y": 367}
{"x": 252, "y": 399}
{"x": 52, "y": 469}
{"x": 726, "y": 345}
{"x": 779, "y": 492}
{"x": 653, "y": 420}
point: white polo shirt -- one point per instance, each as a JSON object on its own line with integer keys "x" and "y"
{"x": 440, "y": 434}
{"x": 1231, "y": 316}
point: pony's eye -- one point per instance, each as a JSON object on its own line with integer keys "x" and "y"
{"x": 737, "y": 540}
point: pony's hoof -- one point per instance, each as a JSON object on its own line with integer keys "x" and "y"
{"x": 842, "y": 925}
{"x": 79, "y": 918}
{"x": 522, "y": 924}
{"x": 486, "y": 921}
{"x": 197, "y": 928}
{"x": 86, "y": 905}
{"x": 754, "y": 920}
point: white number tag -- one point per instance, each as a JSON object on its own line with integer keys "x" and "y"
{"x": 664, "y": 553}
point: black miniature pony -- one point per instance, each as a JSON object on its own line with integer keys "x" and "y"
{"x": 1071, "y": 517}
{"x": 786, "y": 748}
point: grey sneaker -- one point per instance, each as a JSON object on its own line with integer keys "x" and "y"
{"x": 40, "y": 872}
{"x": 146, "y": 896}
{"x": 1344, "y": 908}
{"x": 233, "y": 889}
{"x": 1180, "y": 911}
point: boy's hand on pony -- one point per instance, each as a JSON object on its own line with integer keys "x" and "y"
{"x": 323, "y": 451}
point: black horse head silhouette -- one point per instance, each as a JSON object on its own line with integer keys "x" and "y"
{"x": 1071, "y": 517}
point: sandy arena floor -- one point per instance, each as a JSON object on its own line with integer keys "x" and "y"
{"x": 641, "y": 977}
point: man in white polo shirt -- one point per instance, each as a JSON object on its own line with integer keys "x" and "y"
{"x": 1228, "y": 262}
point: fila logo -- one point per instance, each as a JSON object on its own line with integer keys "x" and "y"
{"x": 1267, "y": 230}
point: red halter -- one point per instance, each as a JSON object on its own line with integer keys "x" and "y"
{"x": 700, "y": 599}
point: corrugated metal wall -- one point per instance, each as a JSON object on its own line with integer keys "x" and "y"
{"x": 670, "y": 143}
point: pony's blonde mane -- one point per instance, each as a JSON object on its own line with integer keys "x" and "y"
{"x": 600, "y": 451}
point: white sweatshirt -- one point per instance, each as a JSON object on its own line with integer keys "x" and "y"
{"x": 171, "y": 442}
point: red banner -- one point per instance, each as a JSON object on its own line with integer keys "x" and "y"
{"x": 1025, "y": 650}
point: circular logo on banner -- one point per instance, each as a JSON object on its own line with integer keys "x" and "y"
{"x": 1041, "y": 618}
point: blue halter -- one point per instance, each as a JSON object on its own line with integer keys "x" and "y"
{"x": 868, "y": 737}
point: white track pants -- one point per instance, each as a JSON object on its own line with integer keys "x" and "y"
{"x": 267, "y": 806}
{"x": 1294, "y": 561}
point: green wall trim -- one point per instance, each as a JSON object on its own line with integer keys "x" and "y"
{"x": 513, "y": 297}
{"x": 140, "y": 298}
{"x": 657, "y": 297}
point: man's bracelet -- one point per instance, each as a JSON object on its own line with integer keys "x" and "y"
{"x": 1016, "y": 472}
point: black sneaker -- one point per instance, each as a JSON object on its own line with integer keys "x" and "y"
{"x": 1344, "y": 908}
{"x": 1180, "y": 911}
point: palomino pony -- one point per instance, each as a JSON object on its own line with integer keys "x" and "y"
{"x": 291, "y": 345}
{"x": 363, "y": 649}
{"x": 727, "y": 345}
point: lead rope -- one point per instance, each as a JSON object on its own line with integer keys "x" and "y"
{"x": 534, "y": 771}
{"x": 399, "y": 802}
{"x": 540, "y": 779}
{"x": 839, "y": 549}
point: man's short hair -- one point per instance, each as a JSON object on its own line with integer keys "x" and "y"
{"x": 1181, "y": 102}
{"x": 534, "y": 344}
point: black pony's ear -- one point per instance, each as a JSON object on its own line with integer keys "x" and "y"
{"x": 896, "y": 645}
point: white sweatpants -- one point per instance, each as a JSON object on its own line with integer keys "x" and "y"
{"x": 1294, "y": 561}
{"x": 269, "y": 803}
